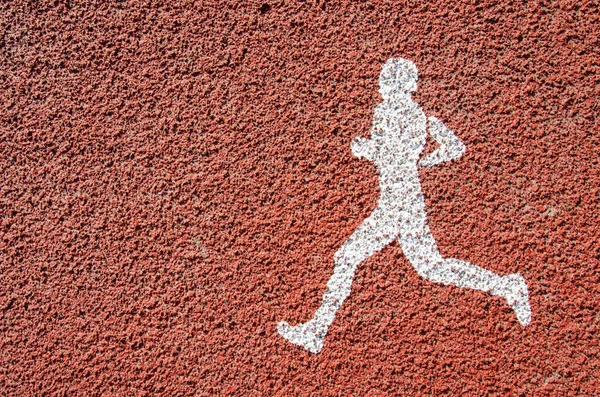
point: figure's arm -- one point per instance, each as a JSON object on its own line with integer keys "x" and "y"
{"x": 451, "y": 147}
{"x": 362, "y": 147}
{"x": 368, "y": 148}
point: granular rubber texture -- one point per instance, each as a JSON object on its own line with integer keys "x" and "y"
{"x": 175, "y": 178}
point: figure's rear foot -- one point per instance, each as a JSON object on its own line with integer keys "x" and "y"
{"x": 304, "y": 335}
{"x": 514, "y": 289}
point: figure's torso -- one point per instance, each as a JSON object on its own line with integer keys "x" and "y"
{"x": 399, "y": 132}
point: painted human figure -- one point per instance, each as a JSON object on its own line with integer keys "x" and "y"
{"x": 397, "y": 139}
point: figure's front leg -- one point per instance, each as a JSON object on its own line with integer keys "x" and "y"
{"x": 362, "y": 147}
{"x": 377, "y": 231}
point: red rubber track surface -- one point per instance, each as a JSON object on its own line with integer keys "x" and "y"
{"x": 175, "y": 179}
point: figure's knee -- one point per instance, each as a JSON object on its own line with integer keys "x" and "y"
{"x": 362, "y": 245}
{"x": 352, "y": 252}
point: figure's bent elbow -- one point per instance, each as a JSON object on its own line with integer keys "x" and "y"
{"x": 460, "y": 148}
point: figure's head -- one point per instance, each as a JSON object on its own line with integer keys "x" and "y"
{"x": 398, "y": 76}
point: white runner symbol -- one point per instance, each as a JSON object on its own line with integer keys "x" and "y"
{"x": 397, "y": 139}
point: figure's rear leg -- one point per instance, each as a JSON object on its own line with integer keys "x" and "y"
{"x": 513, "y": 288}
{"x": 421, "y": 249}
{"x": 372, "y": 235}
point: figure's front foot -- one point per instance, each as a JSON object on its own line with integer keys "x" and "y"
{"x": 302, "y": 335}
{"x": 517, "y": 296}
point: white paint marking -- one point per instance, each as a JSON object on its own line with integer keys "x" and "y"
{"x": 397, "y": 139}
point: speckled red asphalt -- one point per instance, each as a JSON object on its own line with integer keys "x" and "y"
{"x": 176, "y": 179}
